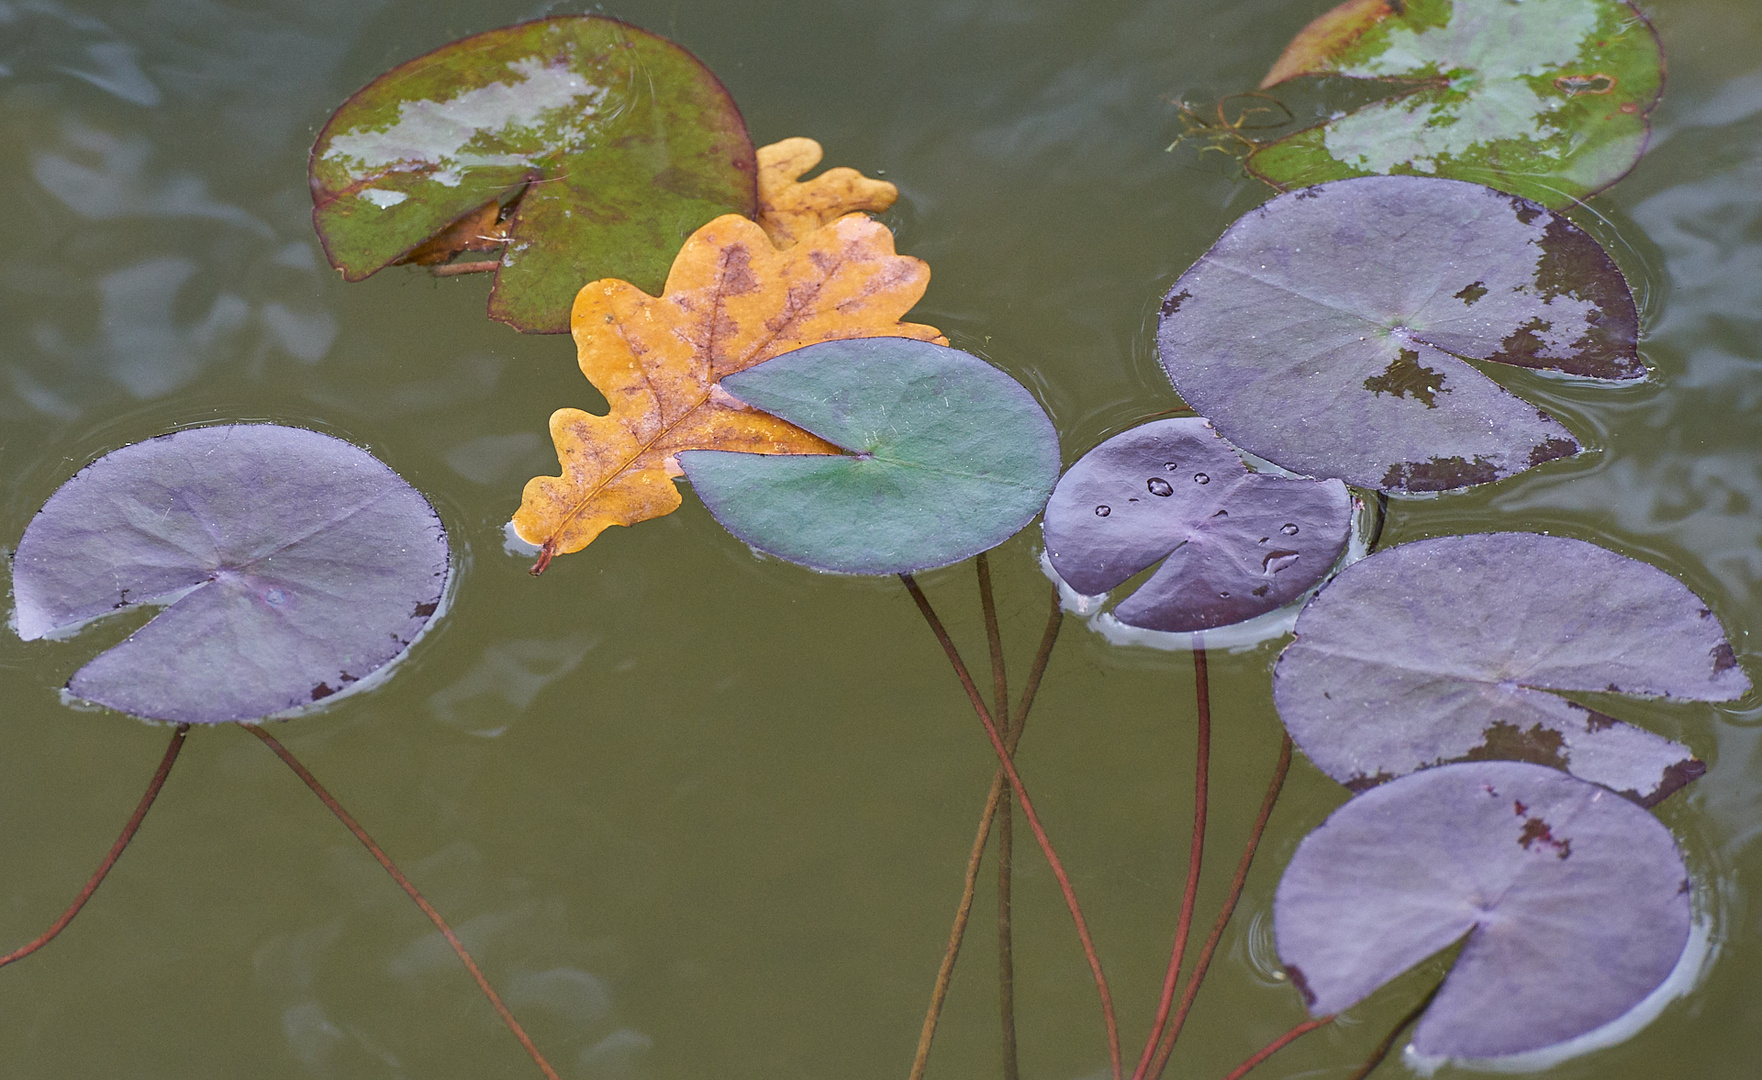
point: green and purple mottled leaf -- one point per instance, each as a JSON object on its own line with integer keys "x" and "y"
{"x": 948, "y": 457}
{"x": 1329, "y": 330}
{"x": 1546, "y": 98}
{"x": 1455, "y": 649}
{"x": 1233, "y": 544}
{"x": 292, "y": 565}
{"x": 1574, "y": 903}
{"x": 611, "y": 144}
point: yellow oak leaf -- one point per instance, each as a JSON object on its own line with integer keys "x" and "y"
{"x": 732, "y": 299}
{"x": 790, "y": 208}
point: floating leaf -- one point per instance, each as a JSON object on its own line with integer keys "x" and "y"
{"x": 731, "y": 301}
{"x": 1545, "y": 98}
{"x": 790, "y": 208}
{"x": 946, "y": 457}
{"x": 612, "y": 145}
{"x": 294, "y": 565}
{"x": 1575, "y": 905}
{"x": 1325, "y": 330}
{"x": 1233, "y": 543}
{"x": 1443, "y": 650}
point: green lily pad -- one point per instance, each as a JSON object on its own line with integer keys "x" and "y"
{"x": 948, "y": 457}
{"x": 606, "y": 144}
{"x": 1547, "y": 99}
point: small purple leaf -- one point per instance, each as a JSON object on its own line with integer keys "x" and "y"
{"x": 1444, "y": 650}
{"x": 1233, "y": 543}
{"x": 1573, "y": 902}
{"x": 1328, "y": 331}
{"x": 293, "y": 565}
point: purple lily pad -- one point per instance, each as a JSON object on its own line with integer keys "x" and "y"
{"x": 1443, "y": 650}
{"x": 1233, "y": 543}
{"x": 1329, "y": 330}
{"x": 292, "y": 564}
{"x": 1574, "y": 903}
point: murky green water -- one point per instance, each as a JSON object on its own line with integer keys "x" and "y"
{"x": 698, "y": 814}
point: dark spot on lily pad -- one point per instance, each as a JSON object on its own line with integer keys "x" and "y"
{"x": 1173, "y": 303}
{"x": 1440, "y": 474}
{"x": 1553, "y": 450}
{"x": 1505, "y": 742}
{"x": 1407, "y": 377}
{"x": 1471, "y": 292}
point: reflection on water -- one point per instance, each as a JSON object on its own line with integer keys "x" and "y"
{"x": 720, "y": 826}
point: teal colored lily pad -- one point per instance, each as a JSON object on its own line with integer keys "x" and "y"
{"x": 947, "y": 457}
{"x": 1547, "y": 99}
{"x": 606, "y": 146}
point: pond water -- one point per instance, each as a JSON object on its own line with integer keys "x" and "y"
{"x": 702, "y": 814}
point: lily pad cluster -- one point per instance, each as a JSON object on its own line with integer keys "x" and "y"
{"x": 1435, "y": 678}
{"x": 290, "y": 565}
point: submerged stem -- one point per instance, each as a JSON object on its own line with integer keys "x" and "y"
{"x": 116, "y": 849}
{"x": 1006, "y": 965}
{"x": 1388, "y": 1043}
{"x": 391, "y": 868}
{"x": 999, "y": 783}
{"x": 1195, "y": 852}
{"x": 1278, "y": 1044}
{"x": 1046, "y": 848}
{"x": 1277, "y": 784}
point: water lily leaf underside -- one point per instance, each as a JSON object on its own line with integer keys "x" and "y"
{"x": 1574, "y": 904}
{"x": 1471, "y": 647}
{"x": 293, "y": 566}
{"x": 1329, "y": 330}
{"x": 1232, "y": 543}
